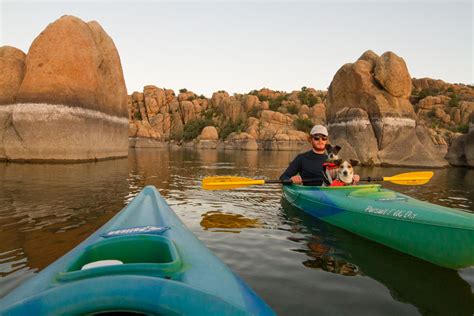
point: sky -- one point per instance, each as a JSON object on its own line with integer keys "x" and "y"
{"x": 208, "y": 46}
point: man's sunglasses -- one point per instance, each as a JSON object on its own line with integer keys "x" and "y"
{"x": 320, "y": 137}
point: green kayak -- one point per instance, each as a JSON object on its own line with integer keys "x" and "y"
{"x": 143, "y": 261}
{"x": 434, "y": 233}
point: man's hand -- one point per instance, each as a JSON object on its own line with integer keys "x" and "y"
{"x": 296, "y": 179}
{"x": 355, "y": 179}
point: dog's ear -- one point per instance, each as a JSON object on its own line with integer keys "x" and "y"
{"x": 336, "y": 149}
{"x": 337, "y": 162}
{"x": 354, "y": 162}
{"x": 328, "y": 147}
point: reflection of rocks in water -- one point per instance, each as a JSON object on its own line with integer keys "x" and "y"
{"x": 321, "y": 257}
{"x": 331, "y": 264}
{"x": 215, "y": 219}
{"x": 319, "y": 248}
{"x": 47, "y": 209}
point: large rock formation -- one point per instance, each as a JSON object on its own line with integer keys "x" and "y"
{"x": 240, "y": 121}
{"x": 12, "y": 63}
{"x": 461, "y": 151}
{"x": 370, "y": 116}
{"x": 445, "y": 109}
{"x": 72, "y": 101}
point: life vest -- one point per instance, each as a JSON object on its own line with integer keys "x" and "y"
{"x": 330, "y": 165}
{"x": 337, "y": 183}
{"x": 329, "y": 172}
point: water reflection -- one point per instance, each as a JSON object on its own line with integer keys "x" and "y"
{"x": 45, "y": 210}
{"x": 410, "y": 280}
{"x": 223, "y": 222}
{"x": 44, "y": 204}
{"x": 324, "y": 257}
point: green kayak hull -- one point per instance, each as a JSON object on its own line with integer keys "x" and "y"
{"x": 144, "y": 260}
{"x": 434, "y": 233}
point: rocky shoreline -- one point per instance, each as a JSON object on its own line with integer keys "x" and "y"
{"x": 273, "y": 145}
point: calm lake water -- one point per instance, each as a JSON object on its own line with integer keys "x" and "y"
{"x": 299, "y": 265}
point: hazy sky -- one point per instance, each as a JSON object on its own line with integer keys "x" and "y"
{"x": 241, "y": 46}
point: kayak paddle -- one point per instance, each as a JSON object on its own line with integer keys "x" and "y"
{"x": 408, "y": 178}
{"x": 230, "y": 182}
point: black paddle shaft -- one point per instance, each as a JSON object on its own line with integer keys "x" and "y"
{"x": 279, "y": 181}
{"x": 368, "y": 179}
{"x": 290, "y": 182}
{"x": 371, "y": 179}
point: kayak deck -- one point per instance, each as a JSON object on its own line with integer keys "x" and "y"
{"x": 143, "y": 260}
{"x": 431, "y": 232}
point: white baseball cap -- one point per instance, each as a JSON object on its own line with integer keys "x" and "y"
{"x": 319, "y": 129}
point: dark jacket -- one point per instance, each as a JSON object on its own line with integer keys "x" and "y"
{"x": 309, "y": 166}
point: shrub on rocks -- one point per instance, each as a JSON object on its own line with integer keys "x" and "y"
{"x": 194, "y": 128}
{"x": 303, "y": 124}
{"x": 274, "y": 104}
{"x": 232, "y": 127}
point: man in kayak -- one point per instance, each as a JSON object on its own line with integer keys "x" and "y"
{"x": 307, "y": 168}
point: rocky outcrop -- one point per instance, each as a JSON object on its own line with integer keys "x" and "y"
{"x": 353, "y": 131}
{"x": 461, "y": 151}
{"x": 72, "y": 100}
{"x": 445, "y": 109}
{"x": 209, "y": 138}
{"x": 241, "y": 141}
{"x": 74, "y": 63}
{"x": 370, "y": 116}
{"x": 392, "y": 74}
{"x": 469, "y": 148}
{"x": 12, "y": 63}
{"x": 429, "y": 86}
{"x": 240, "y": 121}
{"x": 456, "y": 155}
{"x": 209, "y": 133}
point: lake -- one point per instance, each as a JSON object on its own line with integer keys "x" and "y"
{"x": 299, "y": 265}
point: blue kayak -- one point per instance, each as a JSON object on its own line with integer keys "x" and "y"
{"x": 144, "y": 260}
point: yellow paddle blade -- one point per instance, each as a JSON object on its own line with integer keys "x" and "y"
{"x": 411, "y": 178}
{"x": 228, "y": 182}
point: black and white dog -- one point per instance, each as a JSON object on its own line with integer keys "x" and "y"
{"x": 331, "y": 165}
{"x": 332, "y": 152}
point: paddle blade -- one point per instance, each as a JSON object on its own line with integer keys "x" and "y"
{"x": 411, "y": 178}
{"x": 228, "y": 182}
